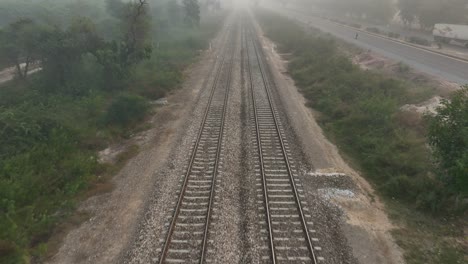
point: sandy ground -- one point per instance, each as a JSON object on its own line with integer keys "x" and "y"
{"x": 115, "y": 215}
{"x": 364, "y": 222}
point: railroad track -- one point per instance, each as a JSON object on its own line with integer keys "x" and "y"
{"x": 285, "y": 224}
{"x": 187, "y": 236}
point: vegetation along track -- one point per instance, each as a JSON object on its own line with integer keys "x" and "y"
{"x": 187, "y": 235}
{"x": 285, "y": 219}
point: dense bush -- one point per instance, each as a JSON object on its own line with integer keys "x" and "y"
{"x": 360, "y": 112}
{"x": 373, "y": 30}
{"x": 53, "y": 124}
{"x": 448, "y": 136}
{"x": 125, "y": 110}
{"x": 418, "y": 40}
{"x": 42, "y": 167}
{"x": 393, "y": 35}
{"x": 355, "y": 25}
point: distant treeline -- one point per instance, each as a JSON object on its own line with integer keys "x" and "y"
{"x": 426, "y": 12}
{"x": 102, "y": 12}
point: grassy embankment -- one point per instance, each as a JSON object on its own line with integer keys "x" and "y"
{"x": 360, "y": 112}
{"x": 49, "y": 140}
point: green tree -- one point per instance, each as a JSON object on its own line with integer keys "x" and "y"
{"x": 118, "y": 56}
{"x": 408, "y": 10}
{"x": 116, "y": 8}
{"x": 19, "y": 45}
{"x": 175, "y": 12}
{"x": 430, "y": 12}
{"x": 83, "y": 8}
{"x": 62, "y": 51}
{"x": 137, "y": 32}
{"x": 448, "y": 137}
{"x": 192, "y": 12}
{"x": 136, "y": 35}
{"x": 380, "y": 10}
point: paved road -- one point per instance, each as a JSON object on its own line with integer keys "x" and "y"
{"x": 435, "y": 64}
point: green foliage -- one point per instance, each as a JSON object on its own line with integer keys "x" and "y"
{"x": 61, "y": 51}
{"x": 408, "y": 10}
{"x": 426, "y": 12}
{"x": 42, "y": 167}
{"x": 355, "y": 25}
{"x": 393, "y": 35}
{"x": 361, "y": 110}
{"x": 427, "y": 240}
{"x": 373, "y": 30}
{"x": 430, "y": 12}
{"x": 175, "y": 12}
{"x": 19, "y": 43}
{"x": 377, "y": 10}
{"x": 64, "y": 53}
{"x": 448, "y": 136}
{"x": 192, "y": 12}
{"x": 418, "y": 40}
{"x": 51, "y": 12}
{"x": 125, "y": 110}
{"x": 403, "y": 68}
{"x": 51, "y": 124}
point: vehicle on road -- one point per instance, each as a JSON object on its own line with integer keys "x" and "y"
{"x": 449, "y": 32}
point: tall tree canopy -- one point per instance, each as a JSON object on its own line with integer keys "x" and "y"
{"x": 192, "y": 12}
{"x": 19, "y": 43}
{"x": 448, "y": 136}
{"x": 430, "y": 12}
{"x": 381, "y": 10}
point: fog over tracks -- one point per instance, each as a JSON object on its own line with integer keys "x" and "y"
{"x": 236, "y": 194}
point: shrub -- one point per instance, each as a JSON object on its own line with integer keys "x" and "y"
{"x": 418, "y": 40}
{"x": 393, "y": 35}
{"x": 403, "y": 68}
{"x": 448, "y": 136}
{"x": 49, "y": 132}
{"x": 125, "y": 110}
{"x": 361, "y": 110}
{"x": 37, "y": 182}
{"x": 373, "y": 30}
{"x": 355, "y": 25}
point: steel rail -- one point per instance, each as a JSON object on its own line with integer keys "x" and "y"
{"x": 191, "y": 162}
{"x": 216, "y": 165}
{"x": 286, "y": 158}
{"x": 262, "y": 165}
